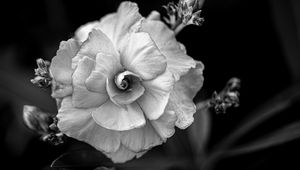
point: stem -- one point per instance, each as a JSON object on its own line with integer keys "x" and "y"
{"x": 179, "y": 28}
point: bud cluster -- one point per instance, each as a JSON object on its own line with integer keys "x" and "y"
{"x": 228, "y": 97}
{"x": 185, "y": 12}
{"x": 42, "y": 75}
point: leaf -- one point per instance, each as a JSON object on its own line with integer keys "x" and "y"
{"x": 274, "y": 106}
{"x": 104, "y": 168}
{"x": 286, "y": 134}
{"x": 157, "y": 161}
{"x": 81, "y": 158}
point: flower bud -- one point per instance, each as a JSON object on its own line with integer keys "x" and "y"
{"x": 228, "y": 97}
{"x": 185, "y": 12}
{"x": 36, "y": 120}
{"x": 43, "y": 78}
{"x": 43, "y": 124}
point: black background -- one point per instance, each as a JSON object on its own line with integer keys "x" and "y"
{"x": 251, "y": 40}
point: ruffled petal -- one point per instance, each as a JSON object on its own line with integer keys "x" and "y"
{"x": 192, "y": 82}
{"x": 71, "y": 120}
{"x": 97, "y": 42}
{"x": 130, "y": 96}
{"x": 82, "y": 72}
{"x": 107, "y": 66}
{"x": 165, "y": 125}
{"x": 156, "y": 96}
{"x": 79, "y": 124}
{"x": 124, "y": 155}
{"x": 96, "y": 82}
{"x": 114, "y": 117}
{"x": 61, "y": 90}
{"x": 82, "y": 33}
{"x": 140, "y": 139}
{"x": 154, "y": 15}
{"x": 127, "y": 16}
{"x": 107, "y": 25}
{"x": 82, "y": 98}
{"x": 60, "y": 68}
{"x": 117, "y": 25}
{"x": 141, "y": 56}
{"x": 181, "y": 98}
{"x": 178, "y": 62}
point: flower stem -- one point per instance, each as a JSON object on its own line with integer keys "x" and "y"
{"x": 179, "y": 28}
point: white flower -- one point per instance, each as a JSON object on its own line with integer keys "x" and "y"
{"x": 124, "y": 83}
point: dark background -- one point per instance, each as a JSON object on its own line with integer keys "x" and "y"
{"x": 257, "y": 41}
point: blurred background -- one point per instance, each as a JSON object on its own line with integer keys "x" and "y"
{"x": 256, "y": 41}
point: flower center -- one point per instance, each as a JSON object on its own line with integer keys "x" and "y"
{"x": 126, "y": 80}
{"x": 122, "y": 81}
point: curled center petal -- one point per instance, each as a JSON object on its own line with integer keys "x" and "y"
{"x": 126, "y": 80}
{"x": 125, "y": 89}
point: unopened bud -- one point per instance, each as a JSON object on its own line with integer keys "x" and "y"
{"x": 44, "y": 124}
{"x": 43, "y": 78}
{"x": 36, "y": 120}
{"x": 228, "y": 97}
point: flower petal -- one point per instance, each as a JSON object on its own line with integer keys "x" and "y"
{"x": 107, "y": 25}
{"x": 181, "y": 98}
{"x": 165, "y": 125}
{"x": 124, "y": 155}
{"x": 130, "y": 96}
{"x": 178, "y": 62}
{"x": 81, "y": 96}
{"x": 82, "y": 33}
{"x": 140, "y": 139}
{"x": 79, "y": 124}
{"x": 60, "y": 68}
{"x": 117, "y": 25}
{"x": 61, "y": 90}
{"x": 97, "y": 42}
{"x": 107, "y": 66}
{"x": 192, "y": 82}
{"x": 154, "y": 15}
{"x": 114, "y": 117}
{"x": 141, "y": 56}
{"x": 127, "y": 15}
{"x": 96, "y": 82}
{"x": 156, "y": 96}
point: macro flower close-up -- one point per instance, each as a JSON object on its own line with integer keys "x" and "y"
{"x": 150, "y": 85}
{"x": 123, "y": 83}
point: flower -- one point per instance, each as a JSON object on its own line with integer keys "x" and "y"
{"x": 123, "y": 83}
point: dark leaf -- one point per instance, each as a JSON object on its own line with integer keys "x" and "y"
{"x": 81, "y": 159}
{"x": 281, "y": 136}
{"x": 157, "y": 161}
{"x": 274, "y": 106}
{"x": 104, "y": 168}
